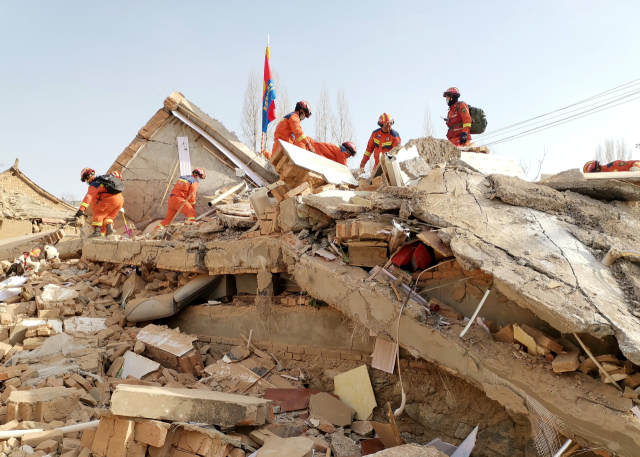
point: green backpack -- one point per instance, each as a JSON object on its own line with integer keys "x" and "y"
{"x": 478, "y": 120}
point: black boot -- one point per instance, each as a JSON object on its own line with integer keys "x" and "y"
{"x": 96, "y": 232}
{"x": 110, "y": 230}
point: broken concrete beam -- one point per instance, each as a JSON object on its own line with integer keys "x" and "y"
{"x": 188, "y": 405}
{"x": 42, "y": 405}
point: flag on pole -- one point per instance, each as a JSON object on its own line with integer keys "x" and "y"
{"x": 268, "y": 98}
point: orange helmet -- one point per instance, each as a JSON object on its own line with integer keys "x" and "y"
{"x": 385, "y": 118}
{"x": 117, "y": 174}
{"x": 349, "y": 147}
{"x": 591, "y": 167}
{"x": 199, "y": 172}
{"x": 304, "y": 106}
{"x": 452, "y": 92}
{"x": 86, "y": 173}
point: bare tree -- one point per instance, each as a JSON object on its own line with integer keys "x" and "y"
{"x": 526, "y": 166}
{"x": 611, "y": 150}
{"x": 69, "y": 197}
{"x": 324, "y": 116}
{"x": 623, "y": 151}
{"x": 343, "y": 128}
{"x": 427, "y": 123}
{"x": 251, "y": 120}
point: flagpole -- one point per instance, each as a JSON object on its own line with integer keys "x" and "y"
{"x": 262, "y": 136}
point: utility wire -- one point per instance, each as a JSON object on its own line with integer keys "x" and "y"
{"x": 617, "y": 88}
{"x": 554, "y": 124}
{"x": 613, "y": 99}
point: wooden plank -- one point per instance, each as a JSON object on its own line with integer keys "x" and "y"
{"x": 431, "y": 239}
{"x": 384, "y": 355}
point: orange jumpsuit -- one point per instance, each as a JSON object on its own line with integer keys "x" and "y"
{"x": 105, "y": 206}
{"x": 458, "y": 121}
{"x": 289, "y": 130}
{"x": 621, "y": 165}
{"x": 185, "y": 188}
{"x": 380, "y": 143}
{"x": 327, "y": 150}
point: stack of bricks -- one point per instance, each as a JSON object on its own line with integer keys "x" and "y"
{"x": 269, "y": 220}
{"x": 295, "y": 300}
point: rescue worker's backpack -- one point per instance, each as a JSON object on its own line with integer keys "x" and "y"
{"x": 478, "y": 120}
{"x": 111, "y": 183}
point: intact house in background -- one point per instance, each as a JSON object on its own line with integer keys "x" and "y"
{"x": 151, "y": 164}
{"x": 27, "y": 208}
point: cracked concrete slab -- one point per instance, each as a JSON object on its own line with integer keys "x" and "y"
{"x": 478, "y": 359}
{"x": 524, "y": 249}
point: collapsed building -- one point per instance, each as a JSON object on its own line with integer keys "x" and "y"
{"x": 486, "y": 293}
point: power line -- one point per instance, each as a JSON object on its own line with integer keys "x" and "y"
{"x": 554, "y": 124}
{"x": 506, "y": 130}
{"x": 607, "y": 92}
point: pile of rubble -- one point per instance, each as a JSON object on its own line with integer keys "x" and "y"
{"x": 483, "y": 284}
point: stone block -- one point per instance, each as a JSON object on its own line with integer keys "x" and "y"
{"x": 151, "y": 432}
{"x": 189, "y": 405}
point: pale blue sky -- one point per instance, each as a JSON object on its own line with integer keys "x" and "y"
{"x": 79, "y": 79}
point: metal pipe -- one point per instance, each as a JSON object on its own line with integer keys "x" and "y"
{"x": 17, "y": 433}
{"x": 406, "y": 289}
{"x": 564, "y": 447}
{"x": 78, "y": 427}
{"x": 475, "y": 314}
{"x": 231, "y": 191}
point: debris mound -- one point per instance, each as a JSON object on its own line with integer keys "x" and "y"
{"x": 432, "y": 150}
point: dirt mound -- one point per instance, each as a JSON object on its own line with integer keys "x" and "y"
{"x": 434, "y": 150}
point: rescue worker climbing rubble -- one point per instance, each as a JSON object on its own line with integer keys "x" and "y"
{"x": 289, "y": 129}
{"x": 105, "y": 197}
{"x": 617, "y": 165}
{"x": 330, "y": 151}
{"x": 458, "y": 119}
{"x": 183, "y": 197}
{"x": 381, "y": 141}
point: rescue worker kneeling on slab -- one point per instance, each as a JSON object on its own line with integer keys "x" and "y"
{"x": 183, "y": 197}
{"x": 105, "y": 198}
{"x": 381, "y": 141}
{"x": 330, "y": 151}
{"x": 617, "y": 165}
{"x": 459, "y": 118}
{"x": 289, "y": 129}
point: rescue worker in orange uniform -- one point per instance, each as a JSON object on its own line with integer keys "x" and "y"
{"x": 105, "y": 204}
{"x": 617, "y": 165}
{"x": 184, "y": 192}
{"x": 459, "y": 118}
{"x": 330, "y": 151}
{"x": 289, "y": 129}
{"x": 382, "y": 140}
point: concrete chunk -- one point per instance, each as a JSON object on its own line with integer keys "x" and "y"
{"x": 287, "y": 447}
{"x": 189, "y": 405}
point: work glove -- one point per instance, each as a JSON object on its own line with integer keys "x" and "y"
{"x": 79, "y": 213}
{"x": 310, "y": 148}
{"x": 463, "y": 138}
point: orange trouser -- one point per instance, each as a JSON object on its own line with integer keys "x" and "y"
{"x": 174, "y": 205}
{"x": 106, "y": 209}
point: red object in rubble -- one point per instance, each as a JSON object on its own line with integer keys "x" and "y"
{"x": 421, "y": 258}
{"x": 404, "y": 255}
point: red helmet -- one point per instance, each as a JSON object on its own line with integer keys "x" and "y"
{"x": 117, "y": 174}
{"x": 452, "y": 92}
{"x": 86, "y": 173}
{"x": 385, "y": 118}
{"x": 304, "y": 106}
{"x": 199, "y": 172}
{"x": 350, "y": 147}
{"x": 591, "y": 167}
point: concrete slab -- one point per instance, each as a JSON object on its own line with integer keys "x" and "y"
{"x": 189, "y": 405}
{"x": 600, "y": 189}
